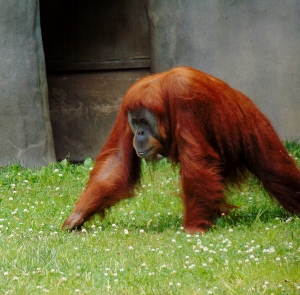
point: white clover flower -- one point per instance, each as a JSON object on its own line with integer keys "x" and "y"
{"x": 289, "y": 219}
{"x": 272, "y": 250}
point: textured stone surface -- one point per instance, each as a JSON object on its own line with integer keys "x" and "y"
{"x": 83, "y": 108}
{"x": 252, "y": 45}
{"x": 25, "y": 130}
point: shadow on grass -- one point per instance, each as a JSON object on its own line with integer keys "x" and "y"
{"x": 149, "y": 225}
{"x": 236, "y": 218}
{"x": 243, "y": 218}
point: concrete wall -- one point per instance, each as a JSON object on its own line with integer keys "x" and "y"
{"x": 252, "y": 45}
{"x": 25, "y": 131}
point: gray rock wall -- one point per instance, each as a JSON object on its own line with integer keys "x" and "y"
{"x": 25, "y": 130}
{"x": 252, "y": 45}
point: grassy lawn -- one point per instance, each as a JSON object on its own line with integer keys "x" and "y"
{"x": 141, "y": 248}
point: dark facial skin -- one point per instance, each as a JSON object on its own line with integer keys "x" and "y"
{"x": 147, "y": 141}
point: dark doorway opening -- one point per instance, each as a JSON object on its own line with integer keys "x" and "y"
{"x": 94, "y": 51}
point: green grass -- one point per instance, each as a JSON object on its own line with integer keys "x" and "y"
{"x": 140, "y": 247}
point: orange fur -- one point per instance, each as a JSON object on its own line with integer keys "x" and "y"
{"x": 212, "y": 130}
